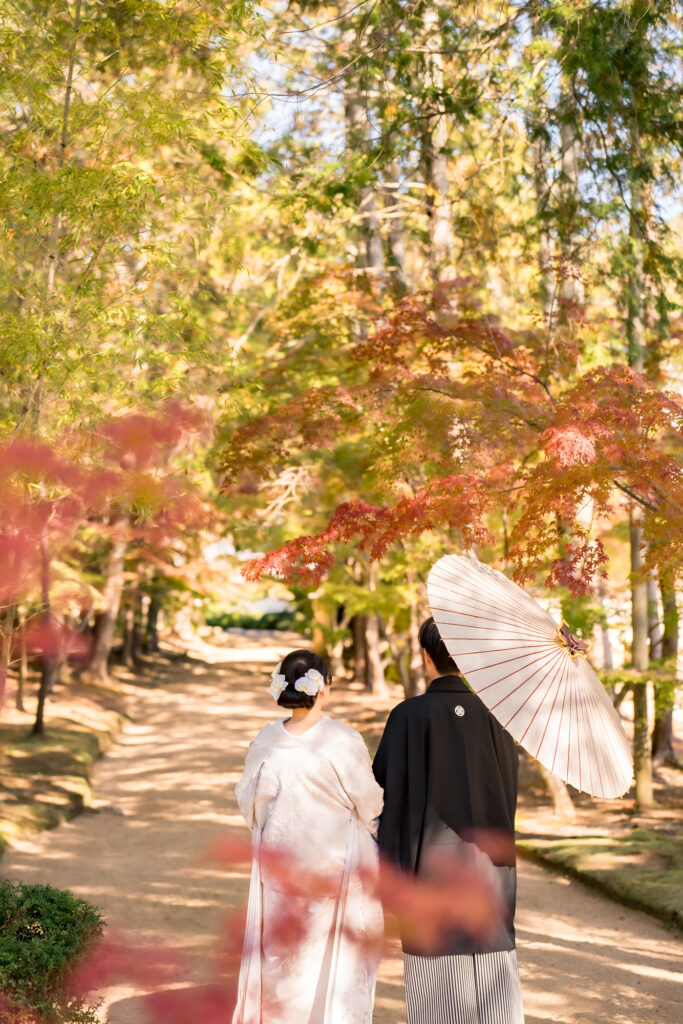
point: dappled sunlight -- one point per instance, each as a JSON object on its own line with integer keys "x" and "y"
{"x": 165, "y": 804}
{"x": 318, "y": 319}
{"x": 585, "y": 959}
{"x": 389, "y": 999}
{"x": 558, "y": 931}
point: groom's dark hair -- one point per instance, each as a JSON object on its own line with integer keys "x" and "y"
{"x": 431, "y": 642}
{"x": 294, "y": 665}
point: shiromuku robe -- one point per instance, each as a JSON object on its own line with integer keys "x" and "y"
{"x": 311, "y": 802}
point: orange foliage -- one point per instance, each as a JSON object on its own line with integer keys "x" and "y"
{"x": 529, "y": 434}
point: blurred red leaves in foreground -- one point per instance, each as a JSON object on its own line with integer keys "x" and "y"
{"x": 47, "y": 639}
{"x": 456, "y": 897}
{"x": 140, "y": 440}
{"x": 115, "y": 960}
{"x": 210, "y": 1004}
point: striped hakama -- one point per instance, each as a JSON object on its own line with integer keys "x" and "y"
{"x": 470, "y": 988}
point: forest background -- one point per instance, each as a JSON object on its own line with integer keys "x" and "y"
{"x": 315, "y": 293}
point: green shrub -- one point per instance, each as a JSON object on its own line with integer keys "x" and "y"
{"x": 269, "y": 620}
{"x": 44, "y": 932}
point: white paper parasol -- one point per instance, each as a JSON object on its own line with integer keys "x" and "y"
{"x": 531, "y": 675}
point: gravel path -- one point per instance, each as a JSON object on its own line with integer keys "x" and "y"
{"x": 165, "y": 794}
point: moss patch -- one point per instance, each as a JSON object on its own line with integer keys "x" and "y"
{"x": 642, "y": 868}
{"x": 45, "y": 780}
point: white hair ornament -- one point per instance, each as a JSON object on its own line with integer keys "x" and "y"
{"x": 278, "y": 682}
{"x": 311, "y": 682}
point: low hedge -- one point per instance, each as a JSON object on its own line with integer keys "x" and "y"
{"x": 44, "y": 933}
{"x": 269, "y": 620}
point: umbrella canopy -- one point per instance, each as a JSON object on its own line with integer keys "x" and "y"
{"x": 532, "y": 675}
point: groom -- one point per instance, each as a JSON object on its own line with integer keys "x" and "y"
{"x": 449, "y": 774}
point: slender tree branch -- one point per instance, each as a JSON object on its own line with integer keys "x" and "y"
{"x": 280, "y": 293}
{"x": 83, "y": 278}
{"x": 636, "y": 497}
{"x": 667, "y": 498}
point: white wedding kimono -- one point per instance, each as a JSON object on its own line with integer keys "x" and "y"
{"x": 310, "y": 958}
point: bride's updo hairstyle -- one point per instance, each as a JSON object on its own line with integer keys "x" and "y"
{"x": 295, "y": 665}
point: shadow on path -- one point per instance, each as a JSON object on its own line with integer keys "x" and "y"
{"x": 166, "y": 796}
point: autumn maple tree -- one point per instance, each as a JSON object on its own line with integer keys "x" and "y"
{"x": 118, "y": 481}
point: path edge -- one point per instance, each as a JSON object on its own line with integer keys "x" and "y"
{"x": 670, "y": 918}
{"x": 78, "y": 797}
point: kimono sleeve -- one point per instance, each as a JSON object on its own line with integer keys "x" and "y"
{"x": 245, "y": 790}
{"x": 381, "y": 763}
{"x": 399, "y": 769}
{"x": 390, "y": 772}
{"x": 355, "y": 773}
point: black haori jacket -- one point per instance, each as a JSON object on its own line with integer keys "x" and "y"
{"x": 449, "y": 774}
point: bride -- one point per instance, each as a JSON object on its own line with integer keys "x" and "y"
{"x": 313, "y": 933}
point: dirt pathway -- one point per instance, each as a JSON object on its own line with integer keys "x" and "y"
{"x": 166, "y": 793}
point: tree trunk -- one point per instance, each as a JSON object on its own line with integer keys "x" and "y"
{"x": 336, "y": 653}
{"x": 654, "y": 621}
{"x": 137, "y": 624}
{"x": 416, "y": 663}
{"x": 22, "y": 674}
{"x": 376, "y": 684}
{"x": 607, "y": 658}
{"x": 634, "y": 324}
{"x": 435, "y": 144}
{"x": 59, "y": 659}
{"x": 46, "y": 661}
{"x": 403, "y": 666}
{"x": 128, "y": 656}
{"x": 399, "y": 657}
{"x": 669, "y": 617}
{"x": 113, "y": 589}
{"x": 43, "y": 691}
{"x": 372, "y": 250}
{"x": 395, "y": 233}
{"x": 539, "y": 156}
{"x": 360, "y": 671}
{"x": 151, "y": 627}
{"x": 642, "y": 754}
{"x": 6, "y": 654}
{"x": 639, "y": 618}
{"x": 634, "y": 320}
{"x": 663, "y": 739}
{"x": 336, "y": 649}
{"x": 663, "y": 751}
{"x": 642, "y": 750}
{"x": 131, "y": 625}
{"x": 321, "y": 624}
{"x": 562, "y": 802}
{"x": 545, "y": 245}
{"x": 619, "y": 698}
{"x": 572, "y": 290}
